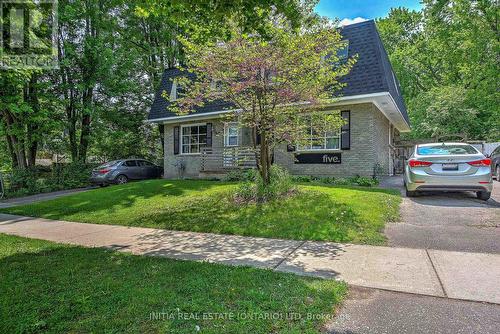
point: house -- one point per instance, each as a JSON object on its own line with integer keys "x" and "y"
{"x": 202, "y": 144}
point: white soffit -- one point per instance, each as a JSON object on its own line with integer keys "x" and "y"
{"x": 383, "y": 101}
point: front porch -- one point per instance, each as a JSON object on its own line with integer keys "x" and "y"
{"x": 220, "y": 160}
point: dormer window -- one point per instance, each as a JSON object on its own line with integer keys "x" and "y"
{"x": 343, "y": 51}
{"x": 173, "y": 91}
{"x": 215, "y": 86}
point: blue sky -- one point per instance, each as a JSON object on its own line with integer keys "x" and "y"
{"x": 365, "y": 9}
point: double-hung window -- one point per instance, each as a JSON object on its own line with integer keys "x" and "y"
{"x": 231, "y": 134}
{"x": 194, "y": 138}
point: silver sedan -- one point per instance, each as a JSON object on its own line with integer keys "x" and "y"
{"x": 448, "y": 167}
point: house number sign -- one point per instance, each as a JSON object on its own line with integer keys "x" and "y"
{"x": 318, "y": 158}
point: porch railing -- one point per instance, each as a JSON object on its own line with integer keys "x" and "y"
{"x": 217, "y": 159}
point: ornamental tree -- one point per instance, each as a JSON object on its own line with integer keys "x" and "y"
{"x": 278, "y": 84}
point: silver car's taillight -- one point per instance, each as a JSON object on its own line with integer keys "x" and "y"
{"x": 480, "y": 163}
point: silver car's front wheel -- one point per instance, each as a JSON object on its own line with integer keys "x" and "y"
{"x": 121, "y": 179}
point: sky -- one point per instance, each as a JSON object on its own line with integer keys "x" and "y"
{"x": 353, "y": 11}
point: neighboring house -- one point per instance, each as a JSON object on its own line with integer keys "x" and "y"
{"x": 202, "y": 144}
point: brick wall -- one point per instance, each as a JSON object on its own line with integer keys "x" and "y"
{"x": 359, "y": 160}
{"x": 381, "y": 128}
{"x": 192, "y": 162}
{"x": 369, "y": 145}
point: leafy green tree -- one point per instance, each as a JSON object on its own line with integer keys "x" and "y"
{"x": 272, "y": 81}
{"x": 443, "y": 111}
{"x": 112, "y": 54}
{"x": 450, "y": 44}
{"x": 27, "y": 112}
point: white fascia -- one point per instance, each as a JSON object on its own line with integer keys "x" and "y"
{"x": 383, "y": 101}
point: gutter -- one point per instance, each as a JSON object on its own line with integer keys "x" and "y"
{"x": 363, "y": 98}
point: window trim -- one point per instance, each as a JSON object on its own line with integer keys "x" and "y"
{"x": 226, "y": 134}
{"x": 312, "y": 150}
{"x": 181, "y": 135}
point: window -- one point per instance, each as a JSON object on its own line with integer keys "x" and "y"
{"x": 343, "y": 51}
{"x": 130, "y": 163}
{"x": 328, "y": 140}
{"x": 194, "y": 137}
{"x": 144, "y": 163}
{"x": 215, "y": 86}
{"x": 231, "y": 134}
{"x": 446, "y": 150}
{"x": 173, "y": 91}
{"x": 109, "y": 164}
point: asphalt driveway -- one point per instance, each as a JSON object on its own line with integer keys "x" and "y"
{"x": 373, "y": 311}
{"x": 447, "y": 221}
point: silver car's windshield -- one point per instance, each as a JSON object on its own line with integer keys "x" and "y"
{"x": 446, "y": 150}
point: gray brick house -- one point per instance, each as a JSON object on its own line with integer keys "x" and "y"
{"x": 205, "y": 144}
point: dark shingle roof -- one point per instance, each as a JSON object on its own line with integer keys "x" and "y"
{"x": 372, "y": 73}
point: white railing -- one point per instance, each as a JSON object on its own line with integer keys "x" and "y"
{"x": 225, "y": 158}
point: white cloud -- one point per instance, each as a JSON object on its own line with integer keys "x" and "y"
{"x": 348, "y": 21}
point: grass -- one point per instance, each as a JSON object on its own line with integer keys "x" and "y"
{"x": 318, "y": 212}
{"x": 54, "y": 288}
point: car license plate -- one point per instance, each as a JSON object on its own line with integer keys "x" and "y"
{"x": 450, "y": 166}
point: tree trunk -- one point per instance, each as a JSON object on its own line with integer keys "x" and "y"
{"x": 17, "y": 144}
{"x": 32, "y": 147}
{"x": 71, "y": 124}
{"x": 84, "y": 138}
{"x": 11, "y": 151}
{"x": 32, "y": 127}
{"x": 85, "y": 132}
{"x": 19, "y": 152}
{"x": 264, "y": 160}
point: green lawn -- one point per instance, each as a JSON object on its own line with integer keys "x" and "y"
{"x": 54, "y": 288}
{"x": 342, "y": 214}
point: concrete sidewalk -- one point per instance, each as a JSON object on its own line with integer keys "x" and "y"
{"x": 457, "y": 275}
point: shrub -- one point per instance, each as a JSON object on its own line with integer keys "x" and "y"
{"x": 342, "y": 182}
{"x": 72, "y": 175}
{"x": 241, "y": 175}
{"x": 328, "y": 180}
{"x": 302, "y": 178}
{"x": 281, "y": 184}
{"x": 246, "y": 191}
{"x": 35, "y": 180}
{"x": 364, "y": 181}
{"x": 356, "y": 180}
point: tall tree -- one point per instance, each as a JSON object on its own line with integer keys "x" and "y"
{"x": 449, "y": 45}
{"x": 272, "y": 81}
{"x": 27, "y": 112}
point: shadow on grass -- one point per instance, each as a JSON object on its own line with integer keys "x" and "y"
{"x": 55, "y": 288}
{"x": 318, "y": 213}
{"x": 112, "y": 199}
{"x": 310, "y": 215}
